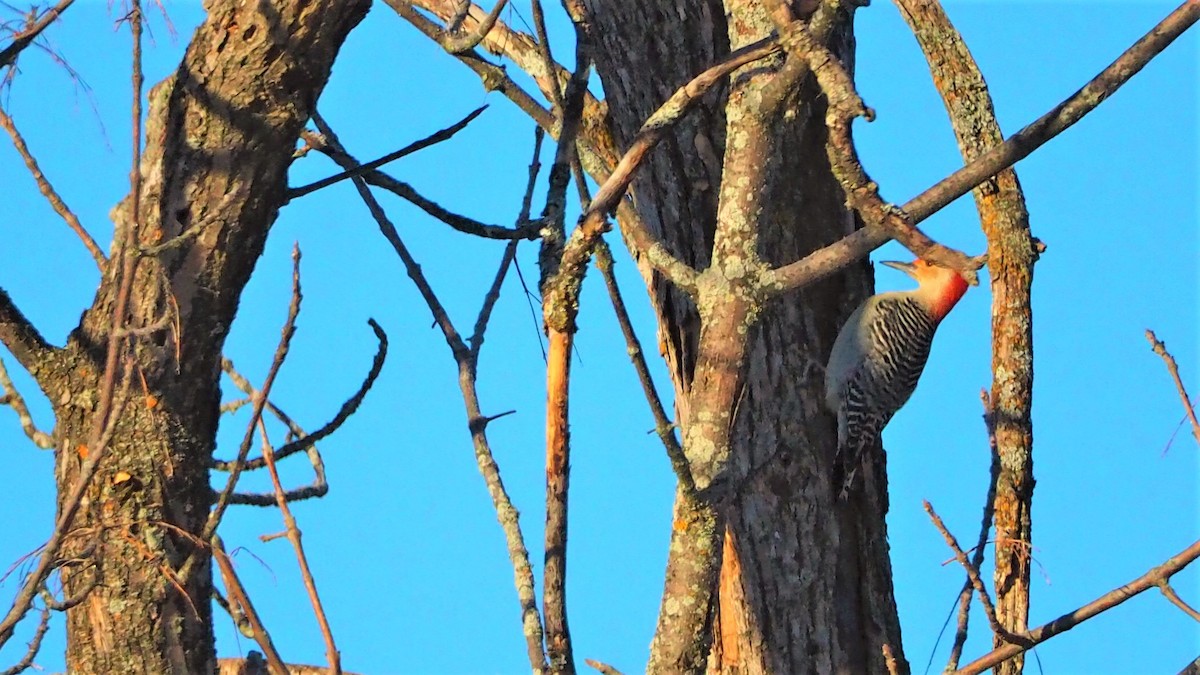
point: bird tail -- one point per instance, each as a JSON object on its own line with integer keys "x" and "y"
{"x": 846, "y": 463}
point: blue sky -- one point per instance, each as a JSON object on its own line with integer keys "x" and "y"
{"x": 409, "y": 559}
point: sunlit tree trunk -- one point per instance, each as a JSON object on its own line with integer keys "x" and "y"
{"x": 805, "y": 585}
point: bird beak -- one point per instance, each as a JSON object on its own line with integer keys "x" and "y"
{"x": 907, "y": 268}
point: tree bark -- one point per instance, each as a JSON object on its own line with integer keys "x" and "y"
{"x": 220, "y": 137}
{"x": 805, "y": 584}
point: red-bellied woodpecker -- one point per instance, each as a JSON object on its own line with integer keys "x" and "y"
{"x": 879, "y": 355}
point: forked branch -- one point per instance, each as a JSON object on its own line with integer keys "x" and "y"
{"x": 359, "y": 169}
{"x": 239, "y": 598}
{"x": 294, "y": 536}
{"x": 23, "y": 39}
{"x": 260, "y": 402}
{"x": 1101, "y": 604}
{"x": 466, "y": 357}
{"x": 829, "y": 259}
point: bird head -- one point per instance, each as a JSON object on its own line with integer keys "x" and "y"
{"x": 939, "y": 287}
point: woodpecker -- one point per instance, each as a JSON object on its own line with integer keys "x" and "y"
{"x": 879, "y": 355}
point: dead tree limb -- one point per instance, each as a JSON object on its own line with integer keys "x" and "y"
{"x": 1011, "y": 258}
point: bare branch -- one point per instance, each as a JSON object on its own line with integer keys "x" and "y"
{"x": 295, "y": 537}
{"x": 506, "y": 513}
{"x": 499, "y": 39}
{"x": 26, "y": 37}
{"x": 861, "y": 192}
{"x": 239, "y": 597}
{"x": 407, "y": 192}
{"x": 13, "y": 398}
{"x": 433, "y": 139}
{"x": 22, "y": 339}
{"x": 1177, "y": 601}
{"x": 1172, "y": 368}
{"x": 663, "y": 426}
{"x": 1011, "y": 256}
{"x": 348, "y": 408}
{"x": 973, "y": 574}
{"x": 1072, "y": 619}
{"x": 653, "y": 130}
{"x": 260, "y": 402}
{"x": 493, "y": 77}
{"x": 559, "y": 286}
{"x": 35, "y": 645}
{"x": 56, "y": 202}
{"x": 985, "y": 526}
{"x": 829, "y": 259}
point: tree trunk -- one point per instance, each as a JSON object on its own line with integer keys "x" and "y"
{"x": 220, "y": 137}
{"x": 805, "y": 584}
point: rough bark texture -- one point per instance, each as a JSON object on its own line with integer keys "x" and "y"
{"x": 220, "y": 136}
{"x": 1011, "y": 255}
{"x": 806, "y": 585}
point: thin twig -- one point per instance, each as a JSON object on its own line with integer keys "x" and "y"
{"x": 1173, "y": 368}
{"x": 506, "y": 513}
{"x": 305, "y": 441}
{"x": 490, "y": 299}
{"x": 988, "y": 608}
{"x": 985, "y": 526}
{"x": 35, "y": 645}
{"x": 13, "y": 399}
{"x": 543, "y": 44}
{"x": 432, "y": 139}
{"x": 1072, "y": 619}
{"x": 239, "y": 597}
{"x": 56, "y": 202}
{"x": 294, "y": 535}
{"x": 260, "y": 402}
